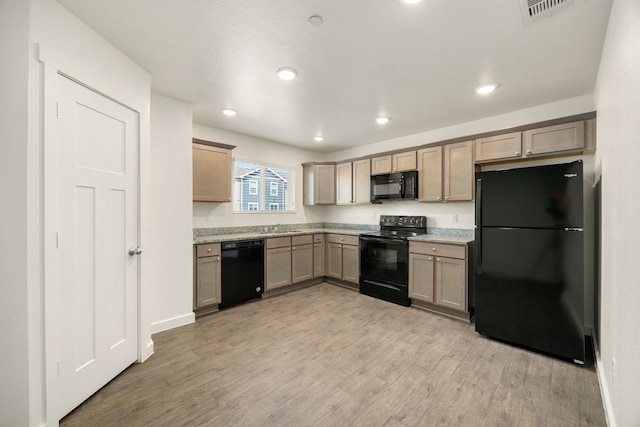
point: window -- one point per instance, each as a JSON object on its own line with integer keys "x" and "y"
{"x": 253, "y": 187}
{"x": 262, "y": 188}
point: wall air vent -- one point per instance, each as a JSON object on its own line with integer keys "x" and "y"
{"x": 537, "y": 10}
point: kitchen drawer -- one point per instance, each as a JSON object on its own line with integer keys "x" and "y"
{"x": 318, "y": 238}
{"x": 345, "y": 240}
{"x": 438, "y": 249}
{"x": 210, "y": 249}
{"x": 302, "y": 240}
{"x": 278, "y": 242}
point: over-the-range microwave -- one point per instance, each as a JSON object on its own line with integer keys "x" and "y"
{"x": 395, "y": 186}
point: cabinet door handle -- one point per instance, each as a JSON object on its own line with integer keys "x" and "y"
{"x": 209, "y": 250}
{"x": 430, "y": 258}
{"x": 294, "y": 248}
{"x": 438, "y": 198}
{"x": 217, "y": 258}
{"x": 529, "y": 152}
{"x": 438, "y": 259}
{"x": 434, "y": 249}
{"x": 517, "y": 153}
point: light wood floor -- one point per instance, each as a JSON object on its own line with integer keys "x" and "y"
{"x": 328, "y": 356}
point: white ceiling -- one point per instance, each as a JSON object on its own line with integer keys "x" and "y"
{"x": 418, "y": 64}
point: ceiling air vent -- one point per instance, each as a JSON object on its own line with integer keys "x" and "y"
{"x": 537, "y": 10}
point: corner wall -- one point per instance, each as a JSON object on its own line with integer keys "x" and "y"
{"x": 15, "y": 393}
{"x": 617, "y": 98}
{"x": 169, "y": 246}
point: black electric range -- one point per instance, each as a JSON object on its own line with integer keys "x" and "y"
{"x": 384, "y": 258}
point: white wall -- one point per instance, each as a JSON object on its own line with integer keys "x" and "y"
{"x": 169, "y": 246}
{"x": 209, "y": 215}
{"x": 14, "y": 268}
{"x": 617, "y": 98}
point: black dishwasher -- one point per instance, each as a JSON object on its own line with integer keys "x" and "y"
{"x": 242, "y": 271}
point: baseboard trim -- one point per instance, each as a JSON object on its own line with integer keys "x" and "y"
{"x": 174, "y": 322}
{"x": 604, "y": 389}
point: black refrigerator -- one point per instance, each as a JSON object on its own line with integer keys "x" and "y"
{"x": 529, "y": 272}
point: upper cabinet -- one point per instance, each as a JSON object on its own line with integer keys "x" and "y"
{"x": 499, "y": 147}
{"x": 554, "y": 139}
{"x": 559, "y": 139}
{"x": 446, "y": 173}
{"x": 353, "y": 182}
{"x": 362, "y": 181}
{"x": 399, "y": 162}
{"x": 212, "y": 176}
{"x": 344, "y": 184}
{"x": 319, "y": 181}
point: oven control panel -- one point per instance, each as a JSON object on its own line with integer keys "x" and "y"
{"x": 403, "y": 221}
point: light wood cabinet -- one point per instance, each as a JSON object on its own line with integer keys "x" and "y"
{"x": 549, "y": 140}
{"x": 319, "y": 184}
{"x": 277, "y": 263}
{"x": 212, "y": 172}
{"x": 207, "y": 277}
{"x": 362, "y": 181}
{"x": 430, "y": 174}
{"x": 499, "y": 147}
{"x": 301, "y": 258}
{"x": 438, "y": 274}
{"x": 446, "y": 173}
{"x": 399, "y": 162}
{"x": 343, "y": 258}
{"x": 421, "y": 277}
{"x": 344, "y": 184}
{"x": 319, "y": 249}
{"x": 554, "y": 139}
{"x": 458, "y": 171}
{"x": 353, "y": 182}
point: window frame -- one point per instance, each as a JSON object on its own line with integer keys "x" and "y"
{"x": 286, "y": 199}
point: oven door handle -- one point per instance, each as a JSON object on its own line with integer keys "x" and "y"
{"x": 382, "y": 240}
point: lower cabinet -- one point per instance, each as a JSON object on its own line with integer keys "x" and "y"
{"x": 318, "y": 255}
{"x": 301, "y": 258}
{"x": 438, "y": 275}
{"x": 277, "y": 263}
{"x": 207, "y": 277}
{"x": 343, "y": 258}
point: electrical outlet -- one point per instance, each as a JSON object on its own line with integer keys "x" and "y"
{"x": 454, "y": 218}
{"x": 613, "y": 369}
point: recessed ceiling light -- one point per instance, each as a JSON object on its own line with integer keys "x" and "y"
{"x": 319, "y": 138}
{"x": 228, "y": 112}
{"x": 411, "y": 1}
{"x": 486, "y": 88}
{"x": 382, "y": 120}
{"x": 286, "y": 73}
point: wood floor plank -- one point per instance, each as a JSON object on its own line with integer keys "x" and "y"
{"x": 326, "y": 355}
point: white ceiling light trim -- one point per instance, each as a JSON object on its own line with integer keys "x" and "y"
{"x": 318, "y": 138}
{"x": 228, "y": 112}
{"x": 382, "y": 120}
{"x": 286, "y": 73}
{"x": 411, "y": 1}
{"x": 486, "y": 88}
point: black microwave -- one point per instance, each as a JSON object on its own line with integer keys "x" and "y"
{"x": 395, "y": 186}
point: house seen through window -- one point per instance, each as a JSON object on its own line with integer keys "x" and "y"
{"x": 262, "y": 188}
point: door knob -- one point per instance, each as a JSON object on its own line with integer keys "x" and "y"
{"x": 135, "y": 251}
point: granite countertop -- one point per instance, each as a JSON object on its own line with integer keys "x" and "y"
{"x": 218, "y": 238}
{"x": 435, "y": 238}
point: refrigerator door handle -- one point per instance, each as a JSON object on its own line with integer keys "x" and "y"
{"x": 478, "y": 250}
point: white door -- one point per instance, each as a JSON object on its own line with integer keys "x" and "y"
{"x": 97, "y": 223}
